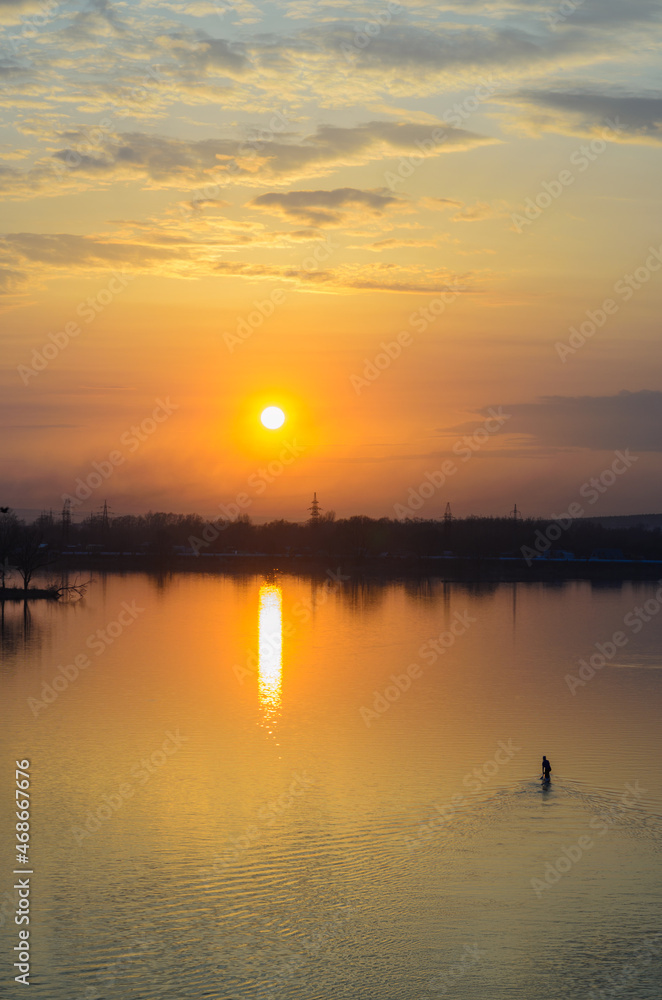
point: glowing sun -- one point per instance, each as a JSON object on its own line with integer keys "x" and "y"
{"x": 272, "y": 418}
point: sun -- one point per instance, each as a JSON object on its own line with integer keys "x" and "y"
{"x": 272, "y": 418}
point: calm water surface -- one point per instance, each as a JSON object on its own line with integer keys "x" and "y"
{"x": 280, "y": 788}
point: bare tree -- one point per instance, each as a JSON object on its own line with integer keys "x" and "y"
{"x": 9, "y": 530}
{"x": 31, "y": 554}
{"x": 71, "y": 591}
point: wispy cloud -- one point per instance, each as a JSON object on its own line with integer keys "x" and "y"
{"x": 324, "y": 208}
{"x": 638, "y": 116}
{"x": 602, "y": 423}
{"x": 166, "y": 162}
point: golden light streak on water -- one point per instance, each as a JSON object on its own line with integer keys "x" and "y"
{"x": 270, "y": 647}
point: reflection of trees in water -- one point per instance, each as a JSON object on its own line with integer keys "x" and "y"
{"x": 160, "y": 580}
{"x": 477, "y": 588}
{"x": 363, "y": 594}
{"x": 434, "y": 590}
{"x": 553, "y": 584}
{"x": 617, "y": 584}
{"x": 20, "y": 630}
{"x": 242, "y": 582}
{"x": 369, "y": 593}
{"x": 423, "y": 589}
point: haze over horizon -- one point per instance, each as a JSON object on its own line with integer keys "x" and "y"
{"x": 431, "y": 234}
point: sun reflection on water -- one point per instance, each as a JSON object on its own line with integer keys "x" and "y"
{"x": 270, "y": 647}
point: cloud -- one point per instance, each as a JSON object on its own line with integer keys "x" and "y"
{"x": 586, "y": 113}
{"x": 13, "y": 11}
{"x": 165, "y": 162}
{"x": 203, "y": 231}
{"x": 200, "y": 205}
{"x": 164, "y": 250}
{"x": 466, "y": 213}
{"x": 602, "y": 423}
{"x": 99, "y": 19}
{"x": 227, "y": 11}
{"x": 11, "y": 280}
{"x": 594, "y": 12}
{"x": 371, "y": 277}
{"x": 597, "y": 13}
{"x": 478, "y": 212}
{"x": 34, "y": 257}
{"x": 411, "y": 59}
{"x": 204, "y": 53}
{"x": 397, "y": 244}
{"x": 440, "y": 204}
{"x": 323, "y": 208}
{"x": 249, "y": 69}
{"x": 65, "y": 250}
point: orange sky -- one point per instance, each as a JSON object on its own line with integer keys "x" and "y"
{"x": 221, "y": 206}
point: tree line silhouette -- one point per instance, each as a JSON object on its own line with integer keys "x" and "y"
{"x": 26, "y": 548}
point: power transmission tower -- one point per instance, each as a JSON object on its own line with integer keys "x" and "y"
{"x": 66, "y": 520}
{"x": 105, "y": 518}
{"x": 448, "y": 524}
{"x": 314, "y": 510}
{"x": 516, "y": 514}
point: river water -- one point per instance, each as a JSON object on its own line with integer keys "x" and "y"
{"x": 292, "y": 788}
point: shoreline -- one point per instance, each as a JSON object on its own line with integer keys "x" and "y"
{"x": 460, "y": 568}
{"x": 31, "y": 594}
{"x": 490, "y": 570}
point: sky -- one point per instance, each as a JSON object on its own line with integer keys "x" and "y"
{"x": 430, "y": 232}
